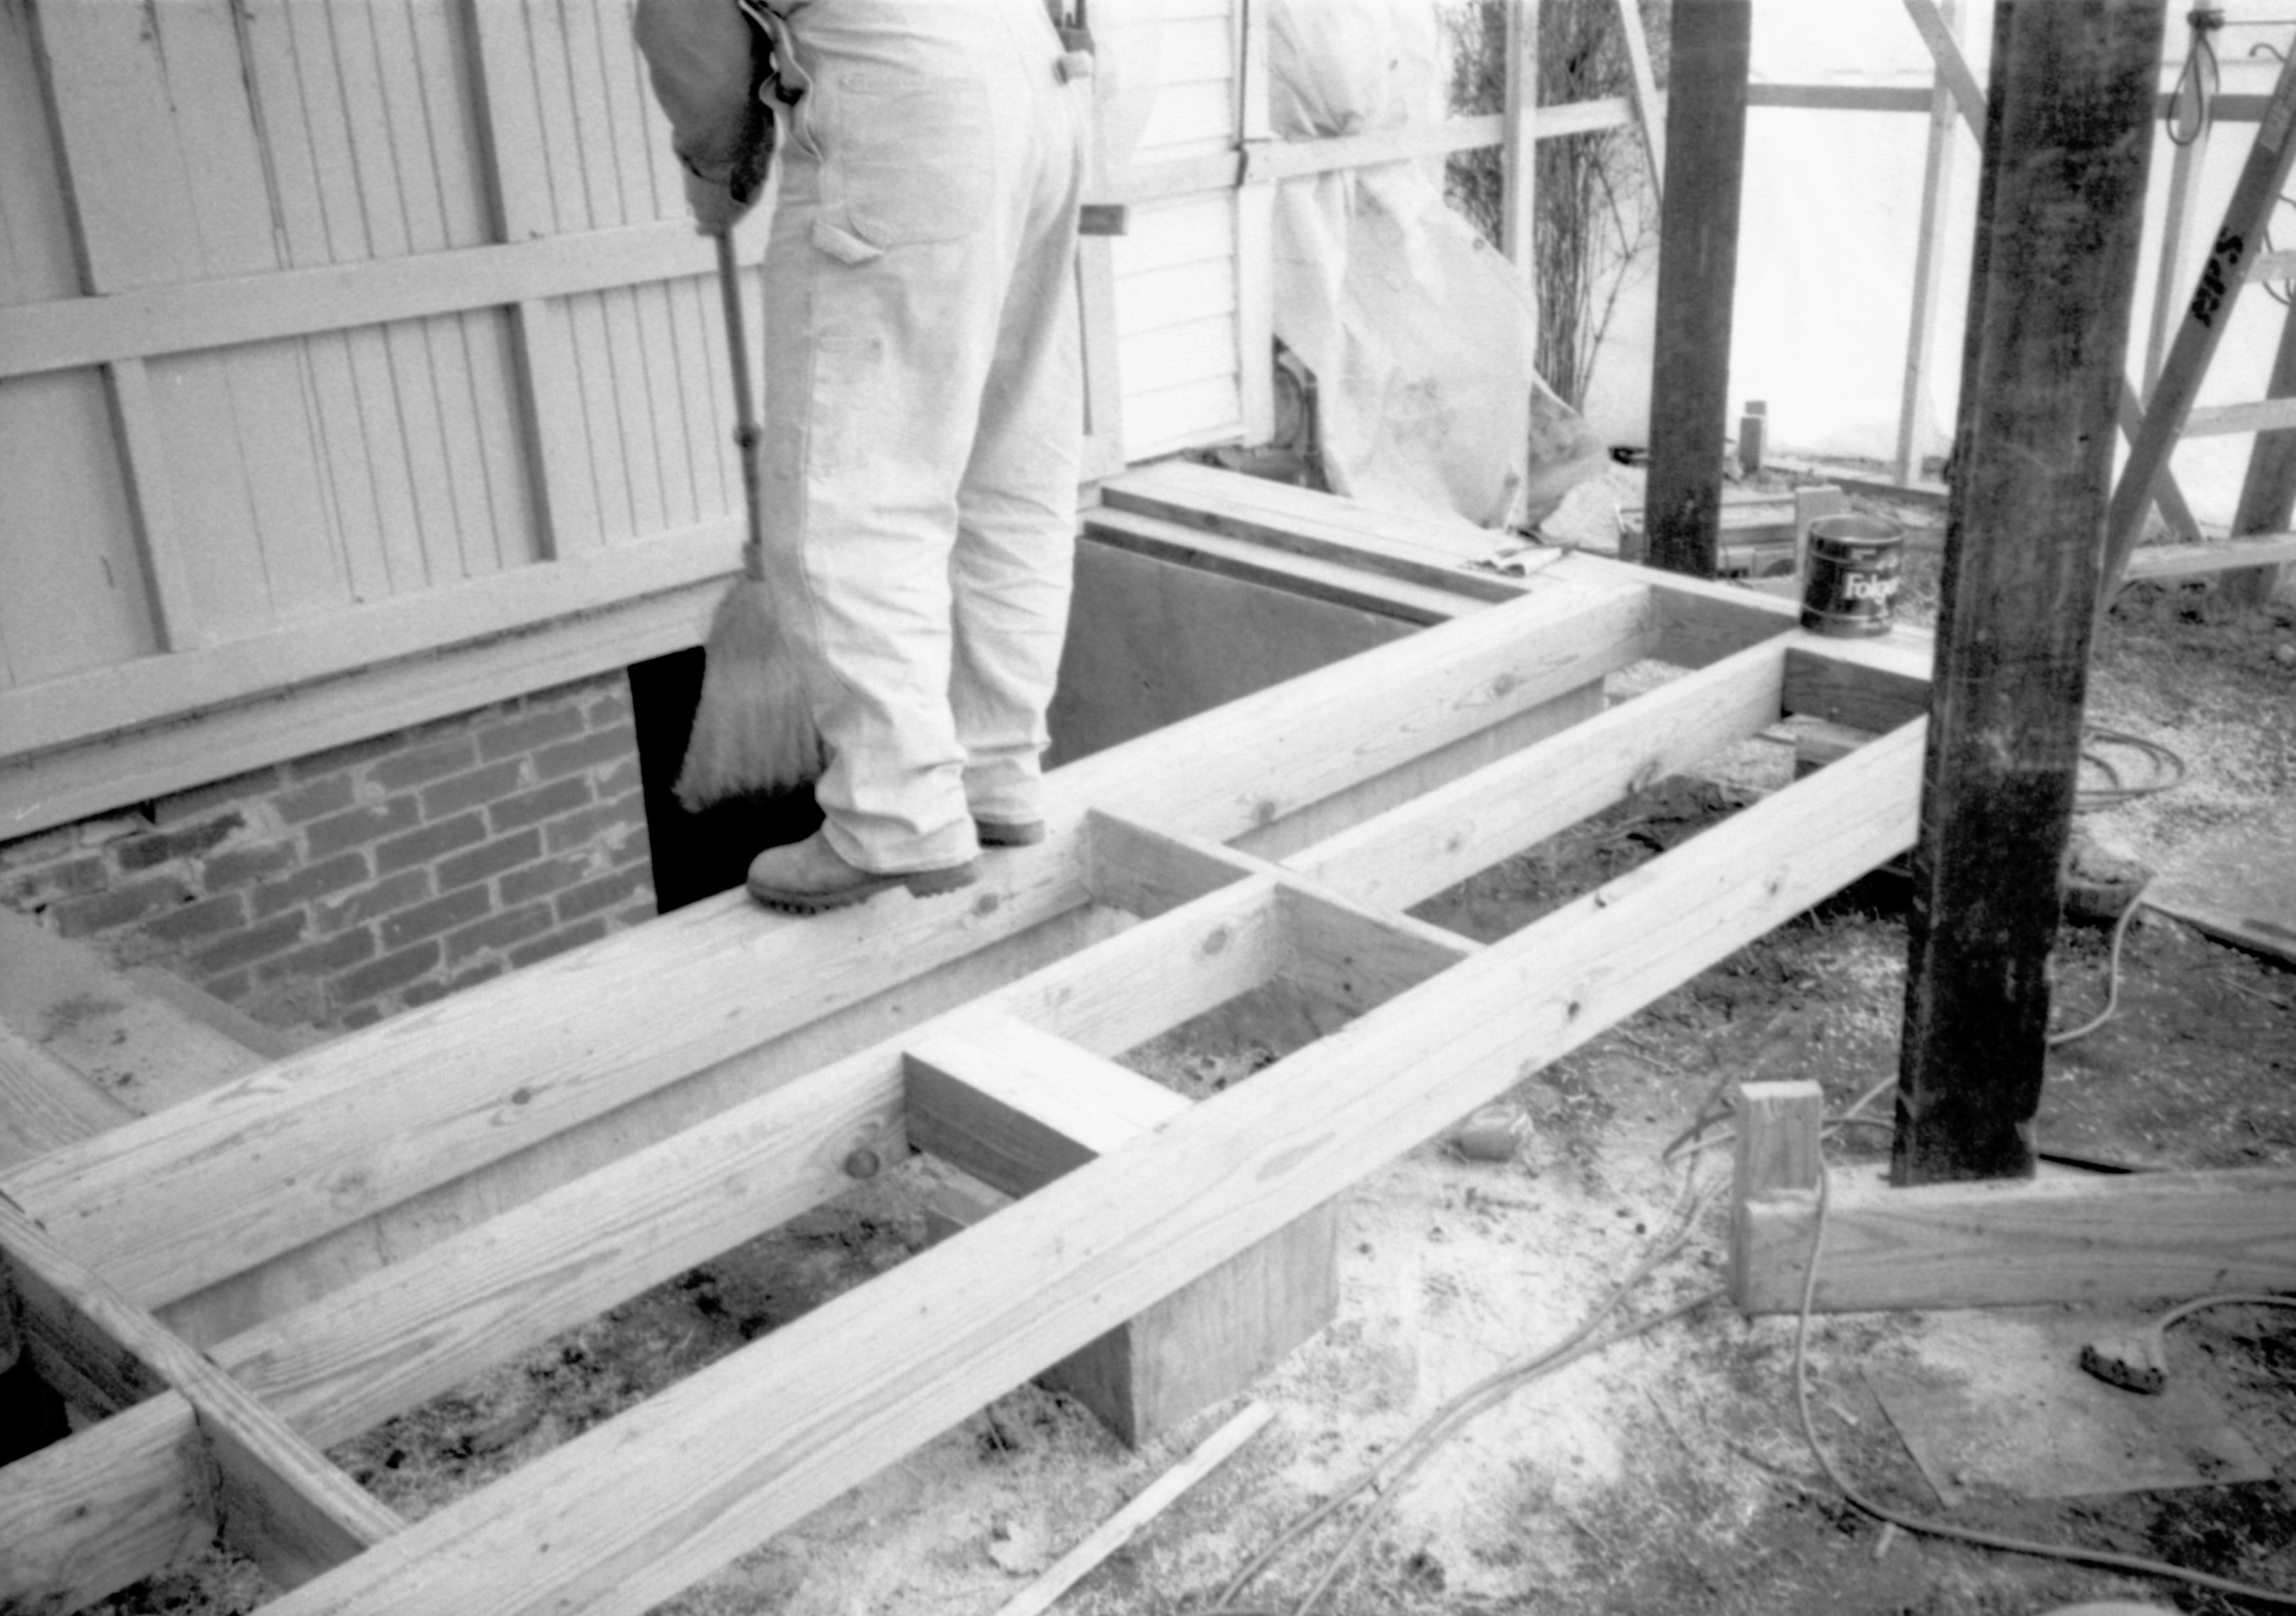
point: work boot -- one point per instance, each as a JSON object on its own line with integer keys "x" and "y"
{"x": 809, "y": 876}
{"x": 1009, "y": 833}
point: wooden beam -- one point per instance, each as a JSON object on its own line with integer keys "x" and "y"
{"x": 1777, "y": 1154}
{"x": 2066, "y": 1236}
{"x": 44, "y": 1104}
{"x": 2230, "y": 261}
{"x": 2059, "y": 219}
{"x": 105, "y": 1508}
{"x": 81, "y": 709}
{"x": 1018, "y": 1108}
{"x": 1697, "y": 280}
{"x": 383, "y": 1344}
{"x": 385, "y": 1113}
{"x": 278, "y": 1500}
{"x": 2267, "y": 493}
{"x": 2253, "y": 553}
{"x": 870, "y": 1374}
{"x": 1650, "y": 107}
{"x": 1871, "y": 684}
{"x": 1350, "y": 954}
{"x": 1431, "y": 554}
{"x": 229, "y": 311}
{"x": 1519, "y": 148}
{"x": 1929, "y": 251}
{"x": 1427, "y": 844}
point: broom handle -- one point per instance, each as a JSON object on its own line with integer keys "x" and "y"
{"x": 745, "y": 429}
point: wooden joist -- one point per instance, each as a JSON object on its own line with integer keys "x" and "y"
{"x": 867, "y": 1376}
{"x": 276, "y": 1497}
{"x": 347, "y": 1131}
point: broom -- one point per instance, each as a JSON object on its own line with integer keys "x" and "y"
{"x": 753, "y": 730}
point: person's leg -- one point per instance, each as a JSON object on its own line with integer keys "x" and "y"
{"x": 1016, "y": 508}
{"x": 886, "y": 277}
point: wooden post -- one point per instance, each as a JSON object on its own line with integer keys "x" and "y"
{"x": 2060, "y": 214}
{"x": 1929, "y": 253}
{"x": 2267, "y": 494}
{"x": 1519, "y": 152}
{"x": 1697, "y": 275}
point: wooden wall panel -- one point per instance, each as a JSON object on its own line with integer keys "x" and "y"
{"x": 74, "y": 595}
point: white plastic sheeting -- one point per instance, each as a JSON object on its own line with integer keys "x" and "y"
{"x": 1419, "y": 334}
{"x": 1828, "y": 232}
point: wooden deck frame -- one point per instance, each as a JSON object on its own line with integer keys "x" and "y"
{"x": 427, "y": 1197}
{"x": 2064, "y": 1237}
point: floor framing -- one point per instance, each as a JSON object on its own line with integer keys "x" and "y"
{"x": 286, "y": 1260}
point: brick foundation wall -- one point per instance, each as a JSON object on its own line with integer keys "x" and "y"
{"x": 335, "y": 889}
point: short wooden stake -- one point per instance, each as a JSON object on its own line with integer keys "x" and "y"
{"x": 1777, "y": 1160}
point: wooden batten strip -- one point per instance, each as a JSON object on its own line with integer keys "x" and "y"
{"x": 190, "y": 315}
{"x": 105, "y": 1507}
{"x": 1016, "y": 1107}
{"x": 176, "y": 1201}
{"x": 78, "y": 709}
{"x": 2066, "y": 1236}
{"x": 868, "y": 1376}
{"x": 279, "y": 1500}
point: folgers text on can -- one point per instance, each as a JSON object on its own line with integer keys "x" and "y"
{"x": 1851, "y": 586}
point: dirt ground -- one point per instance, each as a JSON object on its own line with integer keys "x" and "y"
{"x": 1667, "y": 1473}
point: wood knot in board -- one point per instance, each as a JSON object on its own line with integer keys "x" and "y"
{"x": 862, "y": 1163}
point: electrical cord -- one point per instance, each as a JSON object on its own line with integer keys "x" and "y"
{"x": 2110, "y": 1559}
{"x": 1386, "y": 1478}
{"x": 2113, "y": 974}
{"x": 2170, "y": 768}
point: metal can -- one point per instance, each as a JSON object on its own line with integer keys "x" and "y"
{"x": 1849, "y": 587}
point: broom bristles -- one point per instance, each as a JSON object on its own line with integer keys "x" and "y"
{"x": 753, "y": 730}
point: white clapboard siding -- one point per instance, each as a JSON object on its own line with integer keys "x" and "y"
{"x": 1177, "y": 325}
{"x": 1180, "y": 286}
{"x": 207, "y": 502}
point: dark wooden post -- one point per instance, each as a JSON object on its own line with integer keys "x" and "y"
{"x": 2068, "y": 134}
{"x": 1697, "y": 276}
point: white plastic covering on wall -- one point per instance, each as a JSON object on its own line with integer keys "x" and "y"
{"x": 1419, "y": 333}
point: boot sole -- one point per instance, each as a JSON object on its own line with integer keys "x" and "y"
{"x": 920, "y": 883}
{"x": 1009, "y": 833}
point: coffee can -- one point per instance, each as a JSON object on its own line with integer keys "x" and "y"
{"x": 1849, "y": 587}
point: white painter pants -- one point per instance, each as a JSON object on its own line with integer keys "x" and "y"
{"x": 923, "y": 405}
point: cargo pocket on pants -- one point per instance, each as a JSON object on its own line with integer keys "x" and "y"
{"x": 910, "y": 157}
